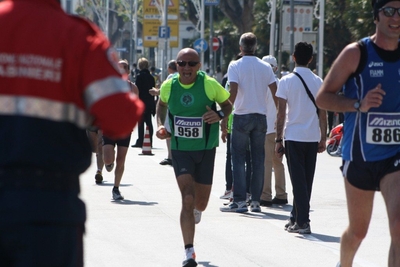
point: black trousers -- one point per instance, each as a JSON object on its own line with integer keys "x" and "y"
{"x": 301, "y": 160}
{"x": 146, "y": 119}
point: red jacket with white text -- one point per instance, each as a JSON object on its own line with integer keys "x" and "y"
{"x": 58, "y": 75}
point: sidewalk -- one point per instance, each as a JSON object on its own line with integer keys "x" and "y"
{"x": 143, "y": 230}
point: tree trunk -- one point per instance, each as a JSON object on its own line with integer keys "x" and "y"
{"x": 240, "y": 12}
{"x": 241, "y": 16}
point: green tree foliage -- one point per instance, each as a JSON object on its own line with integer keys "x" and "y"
{"x": 346, "y": 21}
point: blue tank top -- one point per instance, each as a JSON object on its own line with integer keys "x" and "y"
{"x": 379, "y": 128}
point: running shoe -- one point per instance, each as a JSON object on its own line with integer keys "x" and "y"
{"x": 248, "y": 199}
{"x": 166, "y": 161}
{"x": 265, "y": 203}
{"x": 279, "y": 201}
{"x": 288, "y": 224}
{"x": 116, "y": 194}
{"x": 226, "y": 195}
{"x": 305, "y": 229}
{"x": 110, "y": 167}
{"x": 255, "y": 206}
{"x": 197, "y": 216}
{"x": 190, "y": 261}
{"x": 239, "y": 207}
{"x": 98, "y": 177}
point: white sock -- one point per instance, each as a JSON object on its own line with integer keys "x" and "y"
{"x": 190, "y": 254}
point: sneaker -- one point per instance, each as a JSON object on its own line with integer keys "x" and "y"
{"x": 166, "y": 162}
{"x": 197, "y": 216}
{"x": 265, "y": 203}
{"x": 279, "y": 201}
{"x": 98, "y": 177}
{"x": 189, "y": 263}
{"x": 190, "y": 259}
{"x": 305, "y": 229}
{"x": 239, "y": 207}
{"x": 248, "y": 199}
{"x": 116, "y": 194}
{"x": 226, "y": 195}
{"x": 255, "y": 206}
{"x": 110, "y": 167}
{"x": 288, "y": 224}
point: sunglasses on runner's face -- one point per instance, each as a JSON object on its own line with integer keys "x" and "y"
{"x": 389, "y": 11}
{"x": 190, "y": 63}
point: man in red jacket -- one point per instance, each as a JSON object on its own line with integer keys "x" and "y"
{"x": 58, "y": 75}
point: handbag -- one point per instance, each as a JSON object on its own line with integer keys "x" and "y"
{"x": 307, "y": 90}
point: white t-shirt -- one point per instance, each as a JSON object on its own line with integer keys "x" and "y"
{"x": 302, "y": 123}
{"x": 253, "y": 77}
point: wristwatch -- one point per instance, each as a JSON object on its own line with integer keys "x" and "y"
{"x": 357, "y": 105}
{"x": 221, "y": 114}
{"x": 278, "y": 140}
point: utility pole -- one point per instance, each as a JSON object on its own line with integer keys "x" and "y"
{"x": 211, "y": 51}
{"x": 202, "y": 31}
{"x": 135, "y": 34}
{"x": 165, "y": 52}
{"x": 107, "y": 18}
{"x": 321, "y": 39}
{"x": 131, "y": 36}
{"x": 291, "y": 34}
{"x": 272, "y": 29}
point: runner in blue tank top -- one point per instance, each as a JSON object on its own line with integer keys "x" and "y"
{"x": 369, "y": 73}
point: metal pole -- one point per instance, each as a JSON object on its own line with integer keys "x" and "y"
{"x": 321, "y": 39}
{"x": 165, "y": 52}
{"x": 291, "y": 34}
{"x": 272, "y": 29}
{"x": 211, "y": 51}
{"x": 221, "y": 56}
{"x": 280, "y": 42}
{"x": 202, "y": 32}
{"x": 135, "y": 35}
{"x": 107, "y": 6}
{"x": 131, "y": 36}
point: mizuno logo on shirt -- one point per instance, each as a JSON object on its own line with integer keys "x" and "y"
{"x": 384, "y": 122}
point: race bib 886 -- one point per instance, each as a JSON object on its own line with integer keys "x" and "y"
{"x": 383, "y": 128}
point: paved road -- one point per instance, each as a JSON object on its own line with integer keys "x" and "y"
{"x": 143, "y": 230}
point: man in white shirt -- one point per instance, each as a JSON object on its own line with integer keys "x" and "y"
{"x": 250, "y": 78}
{"x": 271, "y": 159}
{"x": 304, "y": 133}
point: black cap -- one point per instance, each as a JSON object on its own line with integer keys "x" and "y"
{"x": 377, "y": 4}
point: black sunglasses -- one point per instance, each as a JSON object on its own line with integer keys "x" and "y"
{"x": 190, "y": 63}
{"x": 389, "y": 11}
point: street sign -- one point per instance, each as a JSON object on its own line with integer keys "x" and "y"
{"x": 164, "y": 32}
{"x": 200, "y": 45}
{"x": 211, "y": 2}
{"x": 215, "y": 43}
{"x": 121, "y": 49}
{"x": 152, "y": 21}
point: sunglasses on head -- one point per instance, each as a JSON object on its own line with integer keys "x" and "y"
{"x": 190, "y": 63}
{"x": 389, "y": 11}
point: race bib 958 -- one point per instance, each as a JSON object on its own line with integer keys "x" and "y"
{"x": 188, "y": 127}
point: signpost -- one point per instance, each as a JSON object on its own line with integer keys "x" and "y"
{"x": 152, "y": 20}
{"x": 164, "y": 32}
{"x": 215, "y": 44}
{"x": 200, "y": 45}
